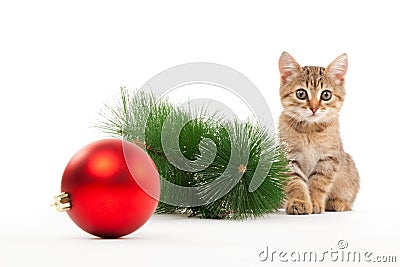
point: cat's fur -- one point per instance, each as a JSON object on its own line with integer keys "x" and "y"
{"x": 324, "y": 177}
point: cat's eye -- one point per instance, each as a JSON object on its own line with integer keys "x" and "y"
{"x": 301, "y": 94}
{"x": 326, "y": 95}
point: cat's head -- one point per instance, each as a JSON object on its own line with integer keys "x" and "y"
{"x": 312, "y": 94}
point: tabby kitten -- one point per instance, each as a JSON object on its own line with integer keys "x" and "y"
{"x": 323, "y": 176}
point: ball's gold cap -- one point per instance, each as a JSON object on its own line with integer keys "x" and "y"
{"x": 62, "y": 202}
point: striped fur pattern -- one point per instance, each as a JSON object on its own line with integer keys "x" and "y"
{"x": 324, "y": 177}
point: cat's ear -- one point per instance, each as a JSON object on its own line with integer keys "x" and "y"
{"x": 337, "y": 69}
{"x": 288, "y": 67}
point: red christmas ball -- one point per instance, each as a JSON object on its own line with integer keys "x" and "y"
{"x": 112, "y": 187}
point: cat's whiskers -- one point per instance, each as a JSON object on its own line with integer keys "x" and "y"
{"x": 295, "y": 119}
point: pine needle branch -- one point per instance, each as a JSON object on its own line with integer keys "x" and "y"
{"x": 221, "y": 156}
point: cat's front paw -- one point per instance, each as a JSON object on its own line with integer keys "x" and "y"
{"x": 318, "y": 207}
{"x": 298, "y": 207}
{"x": 337, "y": 205}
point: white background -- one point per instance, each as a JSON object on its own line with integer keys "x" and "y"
{"x": 61, "y": 60}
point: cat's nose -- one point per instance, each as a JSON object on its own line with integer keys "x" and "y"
{"x": 314, "y": 109}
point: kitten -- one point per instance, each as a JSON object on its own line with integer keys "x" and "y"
{"x": 323, "y": 176}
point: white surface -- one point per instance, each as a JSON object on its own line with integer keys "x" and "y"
{"x": 60, "y": 61}
{"x": 168, "y": 240}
